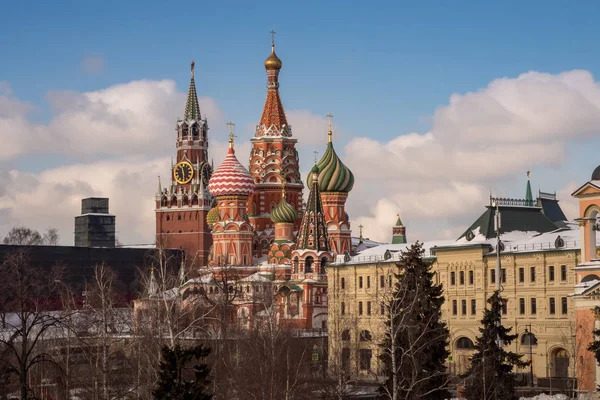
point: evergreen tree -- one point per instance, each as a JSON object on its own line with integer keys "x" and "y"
{"x": 174, "y": 381}
{"x": 594, "y": 347}
{"x": 414, "y": 349}
{"x": 490, "y": 375}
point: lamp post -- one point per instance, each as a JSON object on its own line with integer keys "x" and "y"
{"x": 529, "y": 341}
{"x": 550, "y": 365}
{"x": 497, "y": 226}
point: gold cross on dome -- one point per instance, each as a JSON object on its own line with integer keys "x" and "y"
{"x": 316, "y": 153}
{"x": 272, "y": 37}
{"x": 329, "y": 116}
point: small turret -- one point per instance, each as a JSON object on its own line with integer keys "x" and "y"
{"x": 398, "y": 232}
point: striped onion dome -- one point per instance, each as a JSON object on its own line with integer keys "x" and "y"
{"x": 212, "y": 216}
{"x": 231, "y": 178}
{"x": 284, "y": 212}
{"x": 334, "y": 176}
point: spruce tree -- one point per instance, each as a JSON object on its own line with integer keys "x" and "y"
{"x": 174, "y": 380}
{"x": 414, "y": 350}
{"x": 491, "y": 375}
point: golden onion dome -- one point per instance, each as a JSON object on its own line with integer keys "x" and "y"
{"x": 273, "y": 62}
{"x": 212, "y": 216}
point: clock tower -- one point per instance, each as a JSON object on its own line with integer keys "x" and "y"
{"x": 182, "y": 205}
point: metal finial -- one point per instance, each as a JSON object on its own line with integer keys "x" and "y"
{"x": 528, "y": 174}
{"x": 192, "y": 67}
{"x": 316, "y": 153}
{"x": 330, "y": 132}
{"x": 272, "y": 37}
{"x": 231, "y": 135}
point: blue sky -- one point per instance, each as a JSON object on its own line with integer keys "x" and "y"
{"x": 382, "y": 68}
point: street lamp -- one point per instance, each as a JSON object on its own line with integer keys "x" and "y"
{"x": 529, "y": 341}
{"x": 550, "y": 365}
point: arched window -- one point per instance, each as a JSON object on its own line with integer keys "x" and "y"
{"x": 296, "y": 265}
{"x": 308, "y": 263}
{"x": 365, "y": 336}
{"x": 528, "y": 338}
{"x": 323, "y": 264}
{"x": 589, "y": 278}
{"x": 194, "y": 200}
{"x": 346, "y": 335}
{"x": 464, "y": 343}
{"x": 164, "y": 202}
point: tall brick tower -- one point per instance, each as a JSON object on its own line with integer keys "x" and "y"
{"x": 181, "y": 207}
{"x": 273, "y": 157}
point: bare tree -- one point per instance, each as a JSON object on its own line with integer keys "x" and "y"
{"x": 21, "y": 235}
{"x": 29, "y": 317}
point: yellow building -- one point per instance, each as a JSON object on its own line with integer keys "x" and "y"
{"x": 539, "y": 253}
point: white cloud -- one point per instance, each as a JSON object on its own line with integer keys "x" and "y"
{"x": 476, "y": 141}
{"x": 120, "y": 138}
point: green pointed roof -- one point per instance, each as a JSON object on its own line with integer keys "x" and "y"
{"x": 334, "y": 176}
{"x": 399, "y": 221}
{"x": 192, "y": 107}
{"x": 528, "y": 194}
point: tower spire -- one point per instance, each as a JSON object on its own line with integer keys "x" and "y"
{"x": 192, "y": 107}
{"x": 528, "y": 194}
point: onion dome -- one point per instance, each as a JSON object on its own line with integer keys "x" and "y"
{"x": 213, "y": 216}
{"x": 231, "y": 178}
{"x": 596, "y": 174}
{"x": 273, "y": 62}
{"x": 284, "y": 212}
{"x": 334, "y": 176}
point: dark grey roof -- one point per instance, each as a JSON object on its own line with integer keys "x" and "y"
{"x": 552, "y": 210}
{"x": 514, "y": 218}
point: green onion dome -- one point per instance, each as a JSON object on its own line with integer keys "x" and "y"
{"x": 334, "y": 176}
{"x": 284, "y": 212}
{"x": 212, "y": 216}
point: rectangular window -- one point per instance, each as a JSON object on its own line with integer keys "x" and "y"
{"x": 360, "y": 282}
{"x": 563, "y": 273}
{"x": 504, "y": 307}
{"x": 473, "y": 307}
{"x": 382, "y": 309}
{"x": 522, "y": 306}
{"x": 551, "y": 273}
{"x": 365, "y": 359}
{"x": 368, "y": 308}
{"x": 452, "y": 278}
{"x": 368, "y": 282}
{"x": 532, "y": 274}
{"x": 463, "y": 307}
{"x": 521, "y": 275}
{"x": 533, "y": 306}
{"x": 360, "y": 308}
{"x": 454, "y": 307}
{"x": 343, "y": 283}
{"x": 492, "y": 276}
{"x": 552, "y": 306}
{"x": 461, "y": 277}
{"x": 471, "y": 277}
{"x": 343, "y": 308}
{"x": 503, "y": 271}
{"x": 563, "y": 305}
{"x": 381, "y": 281}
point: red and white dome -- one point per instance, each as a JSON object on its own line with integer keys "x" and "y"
{"x": 231, "y": 178}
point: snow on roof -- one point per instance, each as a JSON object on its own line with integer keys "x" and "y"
{"x": 515, "y": 241}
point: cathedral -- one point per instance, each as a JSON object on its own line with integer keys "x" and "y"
{"x": 248, "y": 224}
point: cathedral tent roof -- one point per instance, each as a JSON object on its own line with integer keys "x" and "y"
{"x": 231, "y": 178}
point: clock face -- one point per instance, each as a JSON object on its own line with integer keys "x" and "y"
{"x": 183, "y": 172}
{"x": 206, "y": 173}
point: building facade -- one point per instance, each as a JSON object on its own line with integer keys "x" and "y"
{"x": 539, "y": 256}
